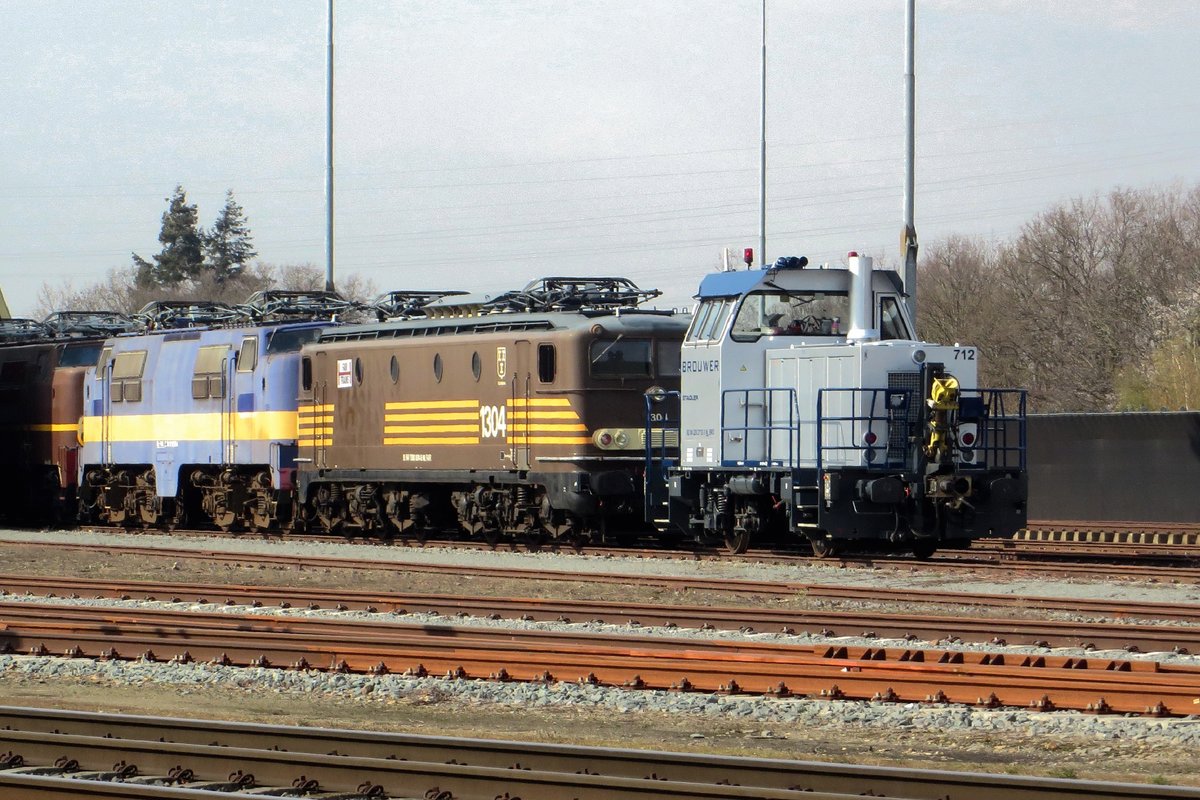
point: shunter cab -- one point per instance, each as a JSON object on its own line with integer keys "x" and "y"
{"x": 809, "y": 408}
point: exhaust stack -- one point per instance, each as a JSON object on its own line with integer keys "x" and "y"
{"x": 861, "y": 300}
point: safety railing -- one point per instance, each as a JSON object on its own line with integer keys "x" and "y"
{"x": 859, "y": 426}
{"x": 768, "y": 440}
{"x": 661, "y": 442}
{"x": 880, "y": 429}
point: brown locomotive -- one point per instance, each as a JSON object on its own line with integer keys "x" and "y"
{"x": 519, "y": 414}
{"x": 42, "y": 367}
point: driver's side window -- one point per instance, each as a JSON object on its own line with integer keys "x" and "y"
{"x": 891, "y": 323}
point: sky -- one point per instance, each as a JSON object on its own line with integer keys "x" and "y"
{"x": 481, "y": 144}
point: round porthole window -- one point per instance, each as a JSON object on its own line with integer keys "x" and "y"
{"x": 437, "y": 367}
{"x": 358, "y": 371}
{"x": 395, "y": 370}
{"x": 476, "y": 366}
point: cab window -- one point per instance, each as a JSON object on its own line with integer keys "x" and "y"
{"x": 891, "y": 323}
{"x": 79, "y": 355}
{"x": 620, "y": 358}
{"x": 289, "y": 340}
{"x": 668, "y": 357}
{"x": 709, "y": 320}
{"x": 796, "y": 313}
{"x": 547, "y": 363}
{"x": 247, "y": 357}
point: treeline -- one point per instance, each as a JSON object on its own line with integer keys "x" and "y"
{"x": 1093, "y": 306}
{"x": 195, "y": 263}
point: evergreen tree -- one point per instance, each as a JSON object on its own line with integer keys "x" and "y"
{"x": 182, "y": 257}
{"x": 228, "y": 246}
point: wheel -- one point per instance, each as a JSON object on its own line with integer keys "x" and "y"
{"x": 823, "y": 548}
{"x": 923, "y": 549}
{"x": 737, "y": 541}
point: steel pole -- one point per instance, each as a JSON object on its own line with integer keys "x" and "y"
{"x": 908, "y": 237}
{"x": 329, "y": 149}
{"x": 762, "y": 153}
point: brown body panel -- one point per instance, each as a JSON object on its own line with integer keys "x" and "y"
{"x": 457, "y": 409}
{"x": 40, "y": 406}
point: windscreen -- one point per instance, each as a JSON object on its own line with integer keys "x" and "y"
{"x": 621, "y": 358}
{"x": 289, "y": 340}
{"x": 80, "y": 355}
{"x": 791, "y": 314}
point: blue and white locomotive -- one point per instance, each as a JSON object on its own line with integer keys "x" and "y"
{"x": 196, "y": 417}
{"x": 809, "y": 408}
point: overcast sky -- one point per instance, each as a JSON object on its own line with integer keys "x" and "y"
{"x": 481, "y": 144}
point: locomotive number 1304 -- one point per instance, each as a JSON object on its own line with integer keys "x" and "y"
{"x": 493, "y": 422}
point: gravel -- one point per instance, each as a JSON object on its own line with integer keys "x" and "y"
{"x": 778, "y": 712}
{"x": 758, "y": 711}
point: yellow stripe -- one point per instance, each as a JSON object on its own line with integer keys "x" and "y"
{"x": 315, "y": 442}
{"x": 535, "y": 427}
{"x": 323, "y": 431}
{"x": 542, "y": 415}
{"x": 442, "y": 417}
{"x": 540, "y": 401}
{"x": 243, "y": 425}
{"x": 55, "y": 427}
{"x": 549, "y": 440}
{"x": 431, "y": 440}
{"x": 316, "y": 420}
{"x": 427, "y": 404}
{"x": 316, "y": 409}
{"x": 431, "y": 428}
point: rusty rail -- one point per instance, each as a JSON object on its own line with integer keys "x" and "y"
{"x": 930, "y": 627}
{"x": 890, "y": 674}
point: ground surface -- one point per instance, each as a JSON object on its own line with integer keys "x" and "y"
{"x": 1154, "y": 755}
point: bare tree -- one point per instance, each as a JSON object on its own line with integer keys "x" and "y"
{"x": 1089, "y": 306}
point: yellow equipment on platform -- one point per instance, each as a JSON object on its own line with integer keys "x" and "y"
{"x": 943, "y": 399}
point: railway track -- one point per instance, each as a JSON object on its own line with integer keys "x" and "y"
{"x": 766, "y": 588}
{"x": 59, "y": 754}
{"x": 834, "y": 671}
{"x": 1007, "y": 557}
{"x": 1145, "y": 543}
{"x": 949, "y": 625}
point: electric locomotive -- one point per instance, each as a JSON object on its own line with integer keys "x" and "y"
{"x": 42, "y": 366}
{"x": 518, "y": 414}
{"x": 808, "y": 408}
{"x": 194, "y": 418}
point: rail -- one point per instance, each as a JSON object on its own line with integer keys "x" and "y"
{"x": 194, "y": 752}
